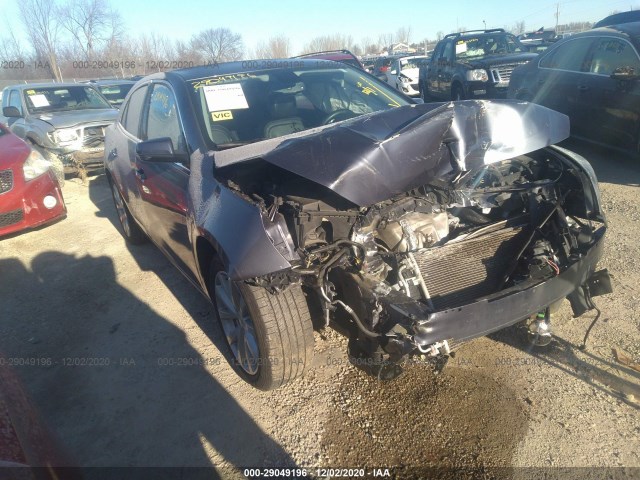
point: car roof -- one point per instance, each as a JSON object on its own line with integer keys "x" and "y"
{"x": 28, "y": 86}
{"x": 114, "y": 81}
{"x": 619, "y": 18}
{"x": 230, "y": 68}
{"x": 631, "y": 29}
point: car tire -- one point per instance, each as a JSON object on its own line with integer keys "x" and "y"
{"x": 269, "y": 335}
{"x": 130, "y": 229}
{"x": 57, "y": 167}
{"x": 457, "y": 93}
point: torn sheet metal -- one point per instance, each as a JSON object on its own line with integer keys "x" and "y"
{"x": 374, "y": 157}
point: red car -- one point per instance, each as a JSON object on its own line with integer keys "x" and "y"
{"x": 29, "y": 192}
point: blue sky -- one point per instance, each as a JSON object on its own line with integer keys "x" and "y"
{"x": 302, "y": 20}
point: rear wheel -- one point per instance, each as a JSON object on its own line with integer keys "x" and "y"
{"x": 131, "y": 231}
{"x": 270, "y": 335}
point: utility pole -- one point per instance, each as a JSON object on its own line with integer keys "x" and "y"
{"x": 557, "y": 16}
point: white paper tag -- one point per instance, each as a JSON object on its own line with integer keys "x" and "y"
{"x": 39, "y": 100}
{"x": 225, "y": 97}
{"x": 461, "y": 48}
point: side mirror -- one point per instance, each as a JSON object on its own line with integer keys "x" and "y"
{"x": 11, "y": 112}
{"x": 159, "y": 150}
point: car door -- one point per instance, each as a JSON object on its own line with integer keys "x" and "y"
{"x": 120, "y": 151}
{"x": 392, "y": 74}
{"x": 16, "y": 124}
{"x": 561, "y": 83}
{"x": 446, "y": 70}
{"x": 163, "y": 184}
{"x": 613, "y": 104}
{"x": 432, "y": 72}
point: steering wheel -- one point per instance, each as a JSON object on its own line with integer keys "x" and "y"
{"x": 338, "y": 115}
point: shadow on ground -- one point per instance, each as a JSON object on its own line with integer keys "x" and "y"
{"x": 111, "y": 353}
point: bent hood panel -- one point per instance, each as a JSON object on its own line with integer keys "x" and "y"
{"x": 374, "y": 157}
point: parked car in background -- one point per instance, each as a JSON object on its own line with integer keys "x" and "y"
{"x": 343, "y": 56}
{"x": 403, "y": 74}
{"x": 381, "y": 67}
{"x": 114, "y": 90}
{"x": 539, "y": 40}
{"x": 593, "y": 77}
{"x": 474, "y": 64}
{"x": 64, "y": 122}
{"x": 272, "y": 190}
{"x": 618, "y": 18}
{"x": 29, "y": 192}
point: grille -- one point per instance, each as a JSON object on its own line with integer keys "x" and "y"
{"x": 502, "y": 73}
{"x": 6, "y": 180}
{"x": 11, "y": 218}
{"x": 93, "y": 137}
{"x": 460, "y": 273}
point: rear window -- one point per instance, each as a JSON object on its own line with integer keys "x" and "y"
{"x": 247, "y": 107}
{"x": 115, "y": 94}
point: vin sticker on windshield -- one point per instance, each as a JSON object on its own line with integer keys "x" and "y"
{"x": 39, "y": 100}
{"x": 225, "y": 97}
{"x": 461, "y": 47}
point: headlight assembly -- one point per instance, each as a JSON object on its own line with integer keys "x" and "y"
{"x": 478, "y": 75}
{"x": 35, "y": 165}
{"x": 65, "y": 135}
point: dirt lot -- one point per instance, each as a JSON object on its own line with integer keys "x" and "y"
{"x": 137, "y": 377}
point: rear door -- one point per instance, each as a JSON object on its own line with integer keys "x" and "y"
{"x": 432, "y": 72}
{"x": 613, "y": 106}
{"x": 163, "y": 185}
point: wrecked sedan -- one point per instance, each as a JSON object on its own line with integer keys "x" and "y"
{"x": 308, "y": 193}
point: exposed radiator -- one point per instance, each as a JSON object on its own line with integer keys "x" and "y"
{"x": 459, "y": 273}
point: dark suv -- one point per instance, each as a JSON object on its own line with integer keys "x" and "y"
{"x": 474, "y": 64}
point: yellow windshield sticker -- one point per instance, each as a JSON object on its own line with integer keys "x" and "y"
{"x": 31, "y": 92}
{"x": 218, "y": 79}
{"x": 365, "y": 84}
{"x": 218, "y": 116}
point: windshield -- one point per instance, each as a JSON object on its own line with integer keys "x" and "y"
{"x": 409, "y": 63}
{"x": 247, "y": 107}
{"x": 484, "y": 45}
{"x": 61, "y": 99}
{"x": 115, "y": 94}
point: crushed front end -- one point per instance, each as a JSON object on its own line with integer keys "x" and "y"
{"x": 500, "y": 233}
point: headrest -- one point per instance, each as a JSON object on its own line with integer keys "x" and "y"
{"x": 283, "y": 106}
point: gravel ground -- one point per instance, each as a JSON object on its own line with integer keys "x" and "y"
{"x": 136, "y": 377}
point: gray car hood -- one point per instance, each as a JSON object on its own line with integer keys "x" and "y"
{"x": 73, "y": 118}
{"x": 376, "y": 156}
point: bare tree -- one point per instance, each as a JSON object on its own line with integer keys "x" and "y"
{"x": 276, "y": 47}
{"x": 89, "y": 23}
{"x": 518, "y": 28}
{"x": 385, "y": 40}
{"x": 218, "y": 45}
{"x": 42, "y": 24}
{"x": 335, "y": 41}
{"x": 403, "y": 35}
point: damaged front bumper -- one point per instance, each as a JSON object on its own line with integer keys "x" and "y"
{"x": 486, "y": 315}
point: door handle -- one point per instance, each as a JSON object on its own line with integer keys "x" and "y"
{"x": 583, "y": 88}
{"x": 140, "y": 174}
{"x": 113, "y": 154}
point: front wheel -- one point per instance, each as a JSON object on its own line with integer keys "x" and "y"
{"x": 270, "y": 335}
{"x": 457, "y": 93}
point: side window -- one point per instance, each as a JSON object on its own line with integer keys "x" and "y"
{"x": 447, "y": 53}
{"x": 436, "y": 53}
{"x": 162, "y": 117}
{"x": 131, "y": 118}
{"x": 14, "y": 100}
{"x": 569, "y": 56}
{"x": 612, "y": 54}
